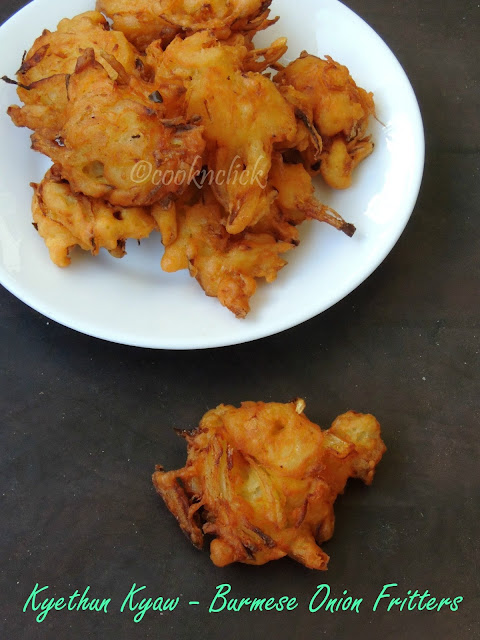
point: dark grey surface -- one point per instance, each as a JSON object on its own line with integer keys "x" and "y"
{"x": 84, "y": 422}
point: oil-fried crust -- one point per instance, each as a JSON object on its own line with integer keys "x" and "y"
{"x": 129, "y": 132}
{"x": 65, "y": 219}
{"x": 262, "y": 480}
{"x": 326, "y": 94}
{"x": 144, "y": 21}
{"x": 227, "y": 267}
{"x": 109, "y": 127}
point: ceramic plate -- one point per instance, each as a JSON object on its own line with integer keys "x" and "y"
{"x": 131, "y": 301}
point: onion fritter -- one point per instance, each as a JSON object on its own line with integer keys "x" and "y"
{"x": 340, "y": 111}
{"x": 296, "y": 200}
{"x": 184, "y": 59}
{"x": 41, "y": 77}
{"x": 57, "y": 52}
{"x": 45, "y": 106}
{"x": 225, "y": 266}
{"x": 66, "y": 219}
{"x": 109, "y": 128}
{"x": 143, "y": 21}
{"x": 129, "y": 133}
{"x": 244, "y": 116}
{"x": 262, "y": 479}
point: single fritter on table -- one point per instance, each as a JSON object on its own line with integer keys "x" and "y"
{"x": 262, "y": 480}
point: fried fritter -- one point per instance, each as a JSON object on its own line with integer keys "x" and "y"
{"x": 296, "y": 199}
{"x": 225, "y": 266}
{"x": 110, "y": 127}
{"x": 143, "y": 21}
{"x": 244, "y": 115}
{"x": 262, "y": 479}
{"x": 340, "y": 110}
{"x": 129, "y": 132}
{"x": 245, "y": 118}
{"x": 53, "y": 56}
{"x": 140, "y": 21}
{"x": 66, "y": 219}
{"x": 57, "y": 52}
{"x": 185, "y": 59}
{"x": 45, "y": 106}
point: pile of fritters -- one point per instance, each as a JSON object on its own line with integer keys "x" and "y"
{"x": 262, "y": 479}
{"x": 171, "y": 121}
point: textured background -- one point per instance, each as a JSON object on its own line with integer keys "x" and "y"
{"x": 84, "y": 422}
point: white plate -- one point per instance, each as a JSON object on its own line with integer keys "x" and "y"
{"x": 131, "y": 301}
